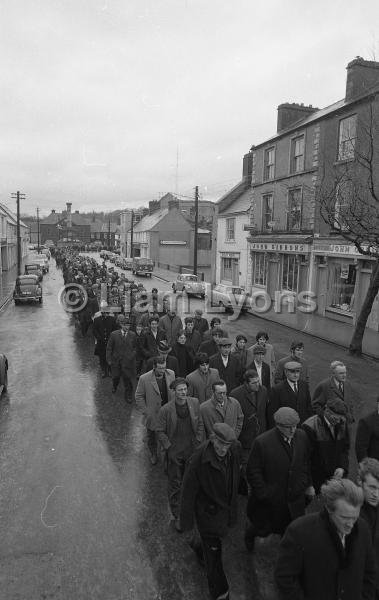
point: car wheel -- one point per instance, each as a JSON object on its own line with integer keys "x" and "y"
{"x": 3, "y": 372}
{"x": 17, "y": 302}
{"x": 40, "y": 300}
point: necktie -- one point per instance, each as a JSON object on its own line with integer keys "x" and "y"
{"x": 295, "y": 387}
{"x": 341, "y": 387}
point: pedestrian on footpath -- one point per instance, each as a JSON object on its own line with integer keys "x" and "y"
{"x": 221, "y": 408}
{"x": 367, "y": 437}
{"x": 296, "y": 354}
{"x": 102, "y": 327}
{"x": 200, "y": 381}
{"x": 292, "y": 392}
{"x": 328, "y": 555}
{"x": 180, "y": 430}
{"x": 368, "y": 480}
{"x": 262, "y": 338}
{"x": 329, "y": 443}
{"x": 336, "y": 386}
{"x": 121, "y": 358}
{"x": 209, "y": 498}
{"x": 153, "y": 391}
{"x": 278, "y": 476}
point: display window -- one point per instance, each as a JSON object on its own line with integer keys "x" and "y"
{"x": 341, "y": 286}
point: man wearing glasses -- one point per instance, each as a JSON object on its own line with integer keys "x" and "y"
{"x": 221, "y": 408}
{"x": 292, "y": 392}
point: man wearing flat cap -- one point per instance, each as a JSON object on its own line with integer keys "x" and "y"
{"x": 292, "y": 392}
{"x": 164, "y": 350}
{"x": 278, "y": 475}
{"x": 209, "y": 497}
{"x": 180, "y": 431}
{"x": 329, "y": 443}
{"x": 102, "y": 327}
{"x": 121, "y": 357}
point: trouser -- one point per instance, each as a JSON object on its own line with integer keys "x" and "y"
{"x": 128, "y": 379}
{"x": 217, "y": 582}
{"x": 152, "y": 442}
{"x": 175, "y": 473}
{"x": 103, "y": 364}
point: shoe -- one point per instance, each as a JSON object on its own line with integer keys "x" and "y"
{"x": 153, "y": 459}
{"x": 249, "y": 542}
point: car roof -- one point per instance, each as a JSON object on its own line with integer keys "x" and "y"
{"x": 26, "y": 277}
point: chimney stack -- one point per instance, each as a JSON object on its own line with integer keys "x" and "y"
{"x": 53, "y": 211}
{"x": 289, "y": 114}
{"x": 69, "y": 215}
{"x": 361, "y": 76}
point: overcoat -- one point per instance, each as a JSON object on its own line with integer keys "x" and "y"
{"x": 370, "y": 514}
{"x": 167, "y": 423}
{"x": 231, "y": 414}
{"x": 313, "y": 565}
{"x": 278, "y": 475}
{"x": 148, "y": 396}
{"x": 205, "y": 491}
{"x": 279, "y": 371}
{"x": 327, "y": 390}
{"x": 149, "y": 343}
{"x": 231, "y": 374}
{"x": 367, "y": 437}
{"x": 266, "y": 375}
{"x": 200, "y": 386}
{"x": 283, "y": 395}
{"x": 102, "y": 328}
{"x": 254, "y": 408}
{"x": 121, "y": 351}
{"x": 171, "y": 327}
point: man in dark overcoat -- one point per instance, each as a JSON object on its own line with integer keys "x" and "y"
{"x": 367, "y": 436}
{"x": 336, "y": 386}
{"x": 328, "y": 555}
{"x": 151, "y": 339}
{"x": 121, "y": 357}
{"x": 228, "y": 366}
{"x": 102, "y": 327}
{"x": 292, "y": 392}
{"x": 368, "y": 479}
{"x": 209, "y": 496}
{"x": 279, "y": 478}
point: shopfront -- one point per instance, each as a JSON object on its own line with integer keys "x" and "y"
{"x": 342, "y": 277}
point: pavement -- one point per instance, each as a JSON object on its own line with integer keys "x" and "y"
{"x": 311, "y": 324}
{"x": 7, "y": 281}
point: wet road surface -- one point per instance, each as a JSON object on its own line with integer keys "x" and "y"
{"x": 83, "y": 514}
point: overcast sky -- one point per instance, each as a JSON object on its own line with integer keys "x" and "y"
{"x": 112, "y": 103}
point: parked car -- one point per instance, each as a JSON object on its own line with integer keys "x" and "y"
{"x": 142, "y": 266}
{"x": 104, "y": 254}
{"x": 46, "y": 252}
{"x": 27, "y": 289}
{"x": 230, "y": 296}
{"x": 190, "y": 284}
{"x": 112, "y": 257}
{"x": 42, "y": 260}
{"x": 3, "y": 373}
{"x": 118, "y": 262}
{"x": 33, "y": 269}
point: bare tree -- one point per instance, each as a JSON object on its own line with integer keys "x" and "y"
{"x": 348, "y": 197}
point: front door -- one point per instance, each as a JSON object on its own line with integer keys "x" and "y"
{"x": 235, "y": 271}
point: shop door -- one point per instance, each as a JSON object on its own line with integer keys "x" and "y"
{"x": 235, "y": 272}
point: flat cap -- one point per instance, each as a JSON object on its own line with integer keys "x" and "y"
{"x": 123, "y": 320}
{"x": 224, "y": 433}
{"x": 292, "y": 365}
{"x": 286, "y": 416}
{"x": 164, "y": 346}
{"x": 224, "y": 341}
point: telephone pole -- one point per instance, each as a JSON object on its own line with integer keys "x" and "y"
{"x": 131, "y": 236}
{"x": 17, "y": 196}
{"x": 38, "y": 237}
{"x": 196, "y": 230}
{"x": 109, "y": 234}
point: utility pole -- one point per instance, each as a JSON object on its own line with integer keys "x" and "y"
{"x": 109, "y": 234}
{"x": 38, "y": 238}
{"x": 196, "y": 230}
{"x": 17, "y": 196}
{"x": 131, "y": 236}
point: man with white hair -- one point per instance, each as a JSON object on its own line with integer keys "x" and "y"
{"x": 336, "y": 386}
{"x": 328, "y": 555}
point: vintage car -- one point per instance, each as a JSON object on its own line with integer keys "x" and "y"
{"x": 230, "y": 297}
{"x": 33, "y": 269}
{"x": 27, "y": 289}
{"x": 127, "y": 264}
{"x": 142, "y": 266}
{"x": 3, "y": 373}
{"x": 186, "y": 282}
{"x": 42, "y": 260}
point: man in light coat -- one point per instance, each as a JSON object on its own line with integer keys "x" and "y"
{"x": 171, "y": 324}
{"x": 153, "y": 391}
{"x": 221, "y": 408}
{"x": 180, "y": 430}
{"x": 200, "y": 381}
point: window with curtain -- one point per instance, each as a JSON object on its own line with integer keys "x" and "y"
{"x": 289, "y": 272}
{"x": 347, "y": 137}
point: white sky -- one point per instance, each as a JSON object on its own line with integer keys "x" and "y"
{"x": 98, "y": 96}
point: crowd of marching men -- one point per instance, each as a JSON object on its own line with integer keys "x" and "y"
{"x": 228, "y": 420}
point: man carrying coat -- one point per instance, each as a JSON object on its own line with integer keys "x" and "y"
{"x": 121, "y": 357}
{"x": 153, "y": 391}
{"x": 180, "y": 430}
{"x": 209, "y": 496}
{"x": 336, "y": 386}
{"x": 278, "y": 475}
{"x": 328, "y": 555}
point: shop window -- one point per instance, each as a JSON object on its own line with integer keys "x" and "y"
{"x": 267, "y": 211}
{"x": 230, "y": 229}
{"x": 294, "y": 210}
{"x": 259, "y": 268}
{"x": 297, "y": 154}
{"x": 269, "y": 166}
{"x": 341, "y": 285}
{"x": 289, "y": 272}
{"x": 346, "y": 138}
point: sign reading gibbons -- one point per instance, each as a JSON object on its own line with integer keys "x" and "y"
{"x": 172, "y": 243}
{"x": 275, "y": 247}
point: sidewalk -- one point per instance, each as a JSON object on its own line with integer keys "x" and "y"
{"x": 311, "y": 324}
{"x": 7, "y": 281}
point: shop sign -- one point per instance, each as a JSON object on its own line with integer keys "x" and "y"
{"x": 274, "y": 247}
{"x": 230, "y": 254}
{"x": 337, "y": 249}
{"x": 172, "y": 243}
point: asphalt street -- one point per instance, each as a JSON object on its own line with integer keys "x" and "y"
{"x": 83, "y": 513}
